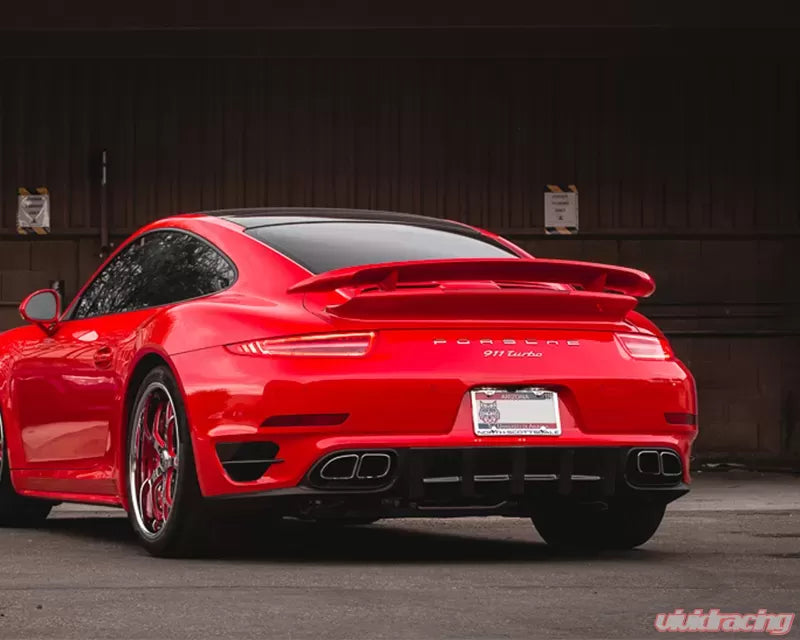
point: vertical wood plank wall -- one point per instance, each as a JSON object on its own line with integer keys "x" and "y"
{"x": 688, "y": 169}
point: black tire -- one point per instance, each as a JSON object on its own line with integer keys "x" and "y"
{"x": 17, "y": 510}
{"x": 618, "y": 527}
{"x": 185, "y": 530}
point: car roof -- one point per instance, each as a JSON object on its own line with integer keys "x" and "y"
{"x": 272, "y": 216}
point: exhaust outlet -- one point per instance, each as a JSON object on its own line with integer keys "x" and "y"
{"x": 659, "y": 467}
{"x": 341, "y": 467}
{"x": 671, "y": 464}
{"x": 373, "y": 466}
{"x": 648, "y": 463}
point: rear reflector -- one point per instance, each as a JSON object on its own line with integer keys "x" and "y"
{"x": 644, "y": 347}
{"x": 311, "y": 346}
{"x": 306, "y": 420}
{"x": 688, "y": 419}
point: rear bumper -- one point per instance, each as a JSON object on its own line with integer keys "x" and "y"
{"x": 288, "y": 461}
{"x": 463, "y": 481}
{"x": 245, "y": 410}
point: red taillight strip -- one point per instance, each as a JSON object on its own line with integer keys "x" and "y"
{"x": 323, "y": 345}
{"x": 644, "y": 346}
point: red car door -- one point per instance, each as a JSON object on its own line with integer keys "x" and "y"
{"x": 68, "y": 387}
{"x": 68, "y": 390}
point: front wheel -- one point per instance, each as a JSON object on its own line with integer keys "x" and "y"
{"x": 165, "y": 504}
{"x": 618, "y": 527}
{"x": 17, "y": 510}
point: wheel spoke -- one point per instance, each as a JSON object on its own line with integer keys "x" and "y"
{"x": 169, "y": 488}
{"x": 155, "y": 476}
{"x": 156, "y": 429}
{"x": 159, "y": 511}
{"x": 171, "y": 431}
{"x": 144, "y": 503}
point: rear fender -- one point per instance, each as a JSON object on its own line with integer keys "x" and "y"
{"x": 226, "y": 318}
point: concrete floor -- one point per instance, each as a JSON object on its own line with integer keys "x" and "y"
{"x": 733, "y": 544}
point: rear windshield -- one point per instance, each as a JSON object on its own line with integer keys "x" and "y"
{"x": 324, "y": 246}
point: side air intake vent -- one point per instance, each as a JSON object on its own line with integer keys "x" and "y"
{"x": 247, "y": 461}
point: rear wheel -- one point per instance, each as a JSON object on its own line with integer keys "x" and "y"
{"x": 16, "y": 510}
{"x": 165, "y": 505}
{"x": 618, "y": 527}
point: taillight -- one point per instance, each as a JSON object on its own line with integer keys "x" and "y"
{"x": 644, "y": 347}
{"x": 328, "y": 345}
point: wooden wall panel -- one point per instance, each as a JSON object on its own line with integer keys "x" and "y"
{"x": 655, "y": 146}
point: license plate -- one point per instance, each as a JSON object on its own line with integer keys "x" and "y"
{"x": 525, "y": 412}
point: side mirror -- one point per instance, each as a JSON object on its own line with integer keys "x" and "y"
{"x": 42, "y": 308}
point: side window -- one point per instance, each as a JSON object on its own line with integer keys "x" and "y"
{"x": 159, "y": 268}
{"x": 102, "y": 296}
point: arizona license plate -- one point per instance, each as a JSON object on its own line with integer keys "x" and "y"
{"x": 526, "y": 412}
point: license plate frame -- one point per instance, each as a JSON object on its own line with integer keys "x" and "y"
{"x": 489, "y": 404}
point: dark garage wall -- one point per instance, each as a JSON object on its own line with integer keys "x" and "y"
{"x": 686, "y": 168}
{"x": 656, "y": 146}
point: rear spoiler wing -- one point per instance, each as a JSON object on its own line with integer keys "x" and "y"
{"x": 588, "y": 276}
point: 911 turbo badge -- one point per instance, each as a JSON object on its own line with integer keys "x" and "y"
{"x": 511, "y": 353}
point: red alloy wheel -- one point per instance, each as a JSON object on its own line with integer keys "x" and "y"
{"x": 153, "y": 460}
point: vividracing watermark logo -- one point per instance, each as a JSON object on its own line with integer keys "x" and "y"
{"x": 776, "y": 624}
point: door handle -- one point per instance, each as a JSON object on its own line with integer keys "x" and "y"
{"x": 103, "y": 356}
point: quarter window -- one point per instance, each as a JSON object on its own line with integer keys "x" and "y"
{"x": 156, "y": 269}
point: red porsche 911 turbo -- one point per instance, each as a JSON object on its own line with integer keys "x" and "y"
{"x": 344, "y": 366}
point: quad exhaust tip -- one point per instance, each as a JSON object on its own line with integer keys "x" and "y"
{"x": 363, "y": 466}
{"x": 670, "y": 464}
{"x": 341, "y": 467}
{"x": 648, "y": 463}
{"x": 373, "y": 466}
{"x": 658, "y": 463}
